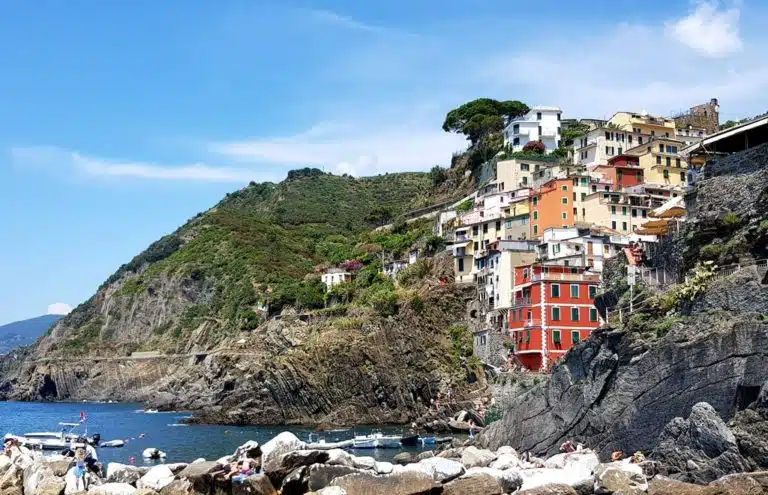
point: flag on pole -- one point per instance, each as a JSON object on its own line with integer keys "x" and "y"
{"x": 83, "y": 416}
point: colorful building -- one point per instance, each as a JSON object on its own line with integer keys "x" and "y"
{"x": 622, "y": 171}
{"x": 642, "y": 123}
{"x": 661, "y": 161}
{"x": 552, "y": 309}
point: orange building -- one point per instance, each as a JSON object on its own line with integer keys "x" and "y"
{"x": 552, "y": 309}
{"x": 552, "y": 206}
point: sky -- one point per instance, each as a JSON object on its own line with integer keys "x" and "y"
{"x": 120, "y": 120}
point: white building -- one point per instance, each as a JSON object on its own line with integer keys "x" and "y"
{"x": 335, "y": 276}
{"x": 539, "y": 124}
{"x": 393, "y": 268}
{"x": 601, "y": 144}
{"x": 579, "y": 248}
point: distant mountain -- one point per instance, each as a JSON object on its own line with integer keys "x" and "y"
{"x": 25, "y": 332}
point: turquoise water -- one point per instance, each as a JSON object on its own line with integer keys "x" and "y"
{"x": 161, "y": 430}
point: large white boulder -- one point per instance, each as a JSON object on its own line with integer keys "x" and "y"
{"x": 363, "y": 462}
{"x": 534, "y": 478}
{"x": 582, "y": 462}
{"x": 340, "y": 457}
{"x": 383, "y": 467}
{"x": 123, "y": 473}
{"x": 157, "y": 478}
{"x": 113, "y": 489}
{"x": 620, "y": 477}
{"x": 474, "y": 457}
{"x": 272, "y": 451}
{"x": 506, "y": 449}
{"x": 442, "y": 470}
{"x": 507, "y": 461}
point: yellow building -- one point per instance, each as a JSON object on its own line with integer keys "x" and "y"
{"x": 661, "y": 161}
{"x": 518, "y": 172}
{"x": 643, "y": 123}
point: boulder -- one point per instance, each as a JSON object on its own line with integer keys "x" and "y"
{"x": 258, "y": 484}
{"x": 506, "y": 461}
{"x": 442, "y": 470}
{"x": 61, "y": 466}
{"x": 201, "y": 475}
{"x": 402, "y": 483}
{"x": 5, "y": 463}
{"x": 363, "y": 462}
{"x": 550, "y": 489}
{"x": 156, "y": 478}
{"x": 460, "y": 426}
{"x": 403, "y": 458}
{"x": 112, "y": 489}
{"x": 123, "y": 473}
{"x": 73, "y": 485}
{"x": 177, "y": 467}
{"x": 339, "y": 457}
{"x": 509, "y": 480}
{"x": 272, "y": 452}
{"x": 506, "y": 449}
{"x": 145, "y": 491}
{"x": 12, "y": 481}
{"x": 179, "y": 487}
{"x": 383, "y": 467}
{"x": 250, "y": 450}
{"x": 481, "y": 484}
{"x": 742, "y": 484}
{"x": 295, "y": 483}
{"x": 699, "y": 449}
{"x": 424, "y": 455}
{"x": 451, "y": 453}
{"x": 321, "y": 475}
{"x": 474, "y": 457}
{"x": 331, "y": 490}
{"x": 294, "y": 460}
{"x": 620, "y": 477}
{"x": 537, "y": 477}
{"x": 40, "y": 480}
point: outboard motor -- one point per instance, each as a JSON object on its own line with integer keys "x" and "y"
{"x": 96, "y": 439}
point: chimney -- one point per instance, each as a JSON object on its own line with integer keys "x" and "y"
{"x": 713, "y": 101}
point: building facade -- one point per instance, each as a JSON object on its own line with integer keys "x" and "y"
{"x": 539, "y": 124}
{"x": 661, "y": 161}
{"x": 552, "y": 309}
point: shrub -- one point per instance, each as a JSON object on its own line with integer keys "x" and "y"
{"x": 535, "y": 147}
{"x": 731, "y": 221}
{"x": 413, "y": 274}
{"x": 461, "y": 342}
{"x": 348, "y": 323}
{"x": 417, "y": 304}
{"x": 711, "y": 252}
{"x": 438, "y": 175}
{"x": 400, "y": 226}
{"x": 352, "y": 265}
{"x": 434, "y": 245}
{"x": 465, "y": 206}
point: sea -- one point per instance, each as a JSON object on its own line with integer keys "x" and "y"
{"x": 165, "y": 431}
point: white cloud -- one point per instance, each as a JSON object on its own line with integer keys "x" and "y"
{"x": 347, "y": 22}
{"x": 99, "y": 167}
{"x": 708, "y": 31}
{"x": 59, "y": 308}
{"x": 361, "y": 148}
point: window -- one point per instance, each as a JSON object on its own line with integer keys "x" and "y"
{"x": 634, "y": 212}
{"x": 608, "y": 137}
{"x": 525, "y": 181}
{"x": 535, "y": 215}
{"x": 538, "y": 115}
{"x": 620, "y": 175}
{"x": 565, "y": 188}
{"x": 476, "y": 245}
{"x": 564, "y": 216}
{"x": 575, "y": 337}
{"x": 682, "y": 176}
{"x": 613, "y": 210}
{"x": 485, "y": 228}
{"x": 535, "y": 229}
{"x": 592, "y": 291}
{"x": 583, "y": 181}
{"x": 608, "y": 150}
{"x": 574, "y": 196}
{"x": 592, "y": 314}
{"x": 525, "y": 273}
{"x": 555, "y": 291}
{"x": 624, "y": 210}
{"x": 619, "y": 149}
{"x": 575, "y": 212}
{"x": 613, "y": 225}
{"x": 594, "y": 189}
{"x": 639, "y": 139}
{"x": 575, "y": 291}
{"x": 666, "y": 174}
{"x": 555, "y": 314}
{"x": 639, "y": 177}
{"x": 661, "y": 148}
{"x": 565, "y": 201}
{"x": 474, "y": 230}
{"x": 669, "y": 162}
{"x": 535, "y": 201}
{"x": 461, "y": 264}
{"x": 516, "y": 129}
{"x": 516, "y": 141}
{"x": 574, "y": 314}
{"x": 527, "y": 336}
{"x": 671, "y": 149}
{"x": 584, "y": 212}
{"x": 540, "y": 131}
{"x": 556, "y": 337}
{"x": 658, "y": 160}
{"x": 653, "y": 133}
{"x": 623, "y": 225}
{"x": 629, "y": 139}
{"x": 645, "y": 214}
{"x": 677, "y": 162}
{"x": 525, "y": 167}
{"x": 583, "y": 196}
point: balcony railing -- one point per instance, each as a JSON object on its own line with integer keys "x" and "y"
{"x": 573, "y": 277}
{"x": 462, "y": 237}
{"x": 525, "y": 324}
{"x": 521, "y": 301}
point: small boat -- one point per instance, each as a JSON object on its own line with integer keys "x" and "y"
{"x": 150, "y": 411}
{"x": 152, "y": 453}
{"x": 409, "y": 441}
{"x": 376, "y": 441}
{"x": 430, "y": 440}
{"x": 113, "y": 443}
{"x": 58, "y": 440}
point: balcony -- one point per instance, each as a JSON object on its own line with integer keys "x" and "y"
{"x": 572, "y": 277}
{"x": 525, "y": 324}
{"x": 521, "y": 301}
{"x": 462, "y": 238}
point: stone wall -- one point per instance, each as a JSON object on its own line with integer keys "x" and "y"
{"x": 737, "y": 183}
{"x": 706, "y": 116}
{"x": 489, "y": 347}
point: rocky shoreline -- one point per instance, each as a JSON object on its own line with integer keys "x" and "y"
{"x": 700, "y": 449}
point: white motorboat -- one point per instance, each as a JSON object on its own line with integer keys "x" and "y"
{"x": 66, "y": 438}
{"x": 113, "y": 443}
{"x": 376, "y": 440}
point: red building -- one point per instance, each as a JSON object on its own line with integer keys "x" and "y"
{"x": 623, "y": 171}
{"x": 552, "y": 309}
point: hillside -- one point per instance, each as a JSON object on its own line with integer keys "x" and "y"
{"x": 233, "y": 312}
{"x": 25, "y": 332}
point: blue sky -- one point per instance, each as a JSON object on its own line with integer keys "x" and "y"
{"x": 119, "y": 120}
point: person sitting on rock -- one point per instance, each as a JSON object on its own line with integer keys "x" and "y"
{"x": 637, "y": 458}
{"x": 617, "y": 456}
{"x": 567, "y": 447}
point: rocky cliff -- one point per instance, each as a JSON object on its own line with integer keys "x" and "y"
{"x": 227, "y": 316}
{"x": 702, "y": 341}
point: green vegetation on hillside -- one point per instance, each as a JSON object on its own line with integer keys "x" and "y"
{"x": 266, "y": 244}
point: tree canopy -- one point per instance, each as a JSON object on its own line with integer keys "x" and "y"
{"x": 482, "y": 117}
